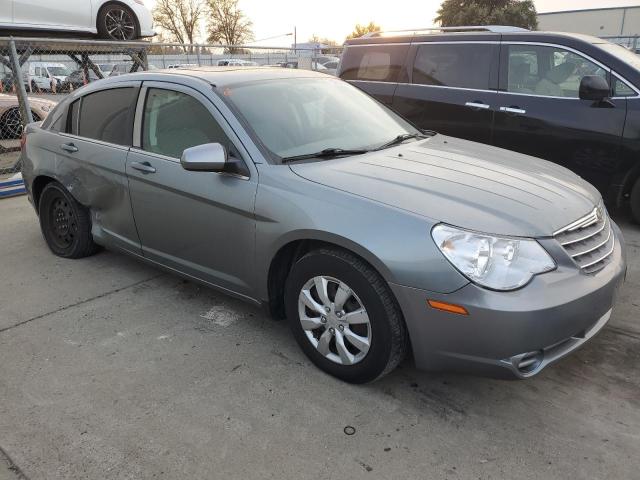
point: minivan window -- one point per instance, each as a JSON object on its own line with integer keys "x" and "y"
{"x": 174, "y": 121}
{"x": 462, "y": 65}
{"x": 107, "y": 115}
{"x": 548, "y": 71}
{"x": 381, "y": 63}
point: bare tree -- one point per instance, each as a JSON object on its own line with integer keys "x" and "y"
{"x": 227, "y": 23}
{"x": 180, "y": 19}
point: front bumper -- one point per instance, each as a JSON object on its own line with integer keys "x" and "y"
{"x": 513, "y": 334}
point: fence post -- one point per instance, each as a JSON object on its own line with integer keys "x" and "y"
{"x": 635, "y": 43}
{"x": 198, "y": 55}
{"x": 23, "y": 100}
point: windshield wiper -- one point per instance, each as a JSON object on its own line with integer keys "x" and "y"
{"x": 402, "y": 137}
{"x": 326, "y": 153}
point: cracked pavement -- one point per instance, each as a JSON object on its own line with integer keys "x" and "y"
{"x": 111, "y": 369}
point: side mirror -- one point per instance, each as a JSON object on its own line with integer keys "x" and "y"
{"x": 210, "y": 157}
{"x": 594, "y": 87}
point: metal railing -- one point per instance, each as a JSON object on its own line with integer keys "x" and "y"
{"x": 37, "y": 72}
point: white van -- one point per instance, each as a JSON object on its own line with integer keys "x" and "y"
{"x": 46, "y": 76}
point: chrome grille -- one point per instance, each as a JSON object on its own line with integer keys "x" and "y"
{"x": 589, "y": 241}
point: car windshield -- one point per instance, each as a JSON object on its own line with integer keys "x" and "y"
{"x": 300, "y": 116}
{"x": 623, "y": 54}
{"x": 58, "y": 71}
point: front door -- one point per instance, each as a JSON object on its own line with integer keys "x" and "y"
{"x": 452, "y": 90}
{"x": 75, "y": 14}
{"x": 199, "y": 223}
{"x": 540, "y": 112}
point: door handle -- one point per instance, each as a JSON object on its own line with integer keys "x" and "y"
{"x": 477, "y": 105}
{"x": 144, "y": 167}
{"x": 516, "y": 110}
{"x": 69, "y": 147}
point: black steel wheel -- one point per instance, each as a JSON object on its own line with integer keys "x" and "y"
{"x": 117, "y": 22}
{"x": 65, "y": 224}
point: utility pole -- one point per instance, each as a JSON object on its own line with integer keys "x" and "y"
{"x": 295, "y": 40}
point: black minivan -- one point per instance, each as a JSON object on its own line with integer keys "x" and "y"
{"x": 568, "y": 98}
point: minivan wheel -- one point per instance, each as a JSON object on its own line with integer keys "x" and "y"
{"x": 635, "y": 202}
{"x": 65, "y": 224}
{"x": 117, "y": 22}
{"x": 344, "y": 316}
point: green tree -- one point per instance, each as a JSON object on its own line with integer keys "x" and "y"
{"x": 361, "y": 30}
{"x": 228, "y": 24}
{"x": 516, "y": 13}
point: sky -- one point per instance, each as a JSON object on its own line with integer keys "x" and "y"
{"x": 335, "y": 19}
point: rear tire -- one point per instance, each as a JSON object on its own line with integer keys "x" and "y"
{"x": 635, "y": 201}
{"x": 117, "y": 22}
{"x": 65, "y": 223}
{"x": 384, "y": 330}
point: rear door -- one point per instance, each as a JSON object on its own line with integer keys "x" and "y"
{"x": 540, "y": 113}
{"x": 98, "y": 135}
{"x": 75, "y": 14}
{"x": 452, "y": 88}
{"x": 199, "y": 223}
{"x": 375, "y": 68}
{"x": 6, "y": 11}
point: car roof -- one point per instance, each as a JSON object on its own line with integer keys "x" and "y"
{"x": 475, "y": 36}
{"x": 228, "y": 75}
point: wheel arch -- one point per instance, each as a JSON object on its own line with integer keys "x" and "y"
{"x": 37, "y": 186}
{"x": 293, "y": 247}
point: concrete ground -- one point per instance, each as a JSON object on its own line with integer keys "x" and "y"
{"x": 110, "y": 369}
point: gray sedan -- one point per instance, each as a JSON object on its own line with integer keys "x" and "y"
{"x": 296, "y": 191}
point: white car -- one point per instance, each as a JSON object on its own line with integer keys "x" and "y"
{"x": 46, "y": 75}
{"x": 113, "y": 20}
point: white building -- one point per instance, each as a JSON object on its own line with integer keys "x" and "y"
{"x": 599, "y": 22}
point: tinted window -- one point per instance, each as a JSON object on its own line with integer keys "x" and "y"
{"x": 107, "y": 115}
{"x": 460, "y": 65}
{"x": 381, "y": 63}
{"x": 547, "y": 71}
{"x": 174, "y": 121}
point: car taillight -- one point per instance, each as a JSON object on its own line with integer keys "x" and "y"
{"x": 23, "y": 141}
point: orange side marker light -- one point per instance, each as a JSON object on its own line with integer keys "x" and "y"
{"x": 448, "y": 307}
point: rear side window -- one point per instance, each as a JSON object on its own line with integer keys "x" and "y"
{"x": 381, "y": 63}
{"x": 72, "y": 118}
{"x": 107, "y": 115}
{"x": 462, "y": 65}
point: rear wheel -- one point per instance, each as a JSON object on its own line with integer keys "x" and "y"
{"x": 635, "y": 201}
{"x": 65, "y": 224}
{"x": 344, "y": 316}
{"x": 117, "y": 22}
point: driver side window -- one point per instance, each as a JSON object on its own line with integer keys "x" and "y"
{"x": 174, "y": 121}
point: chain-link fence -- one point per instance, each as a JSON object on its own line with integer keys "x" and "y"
{"x": 630, "y": 42}
{"x": 35, "y": 73}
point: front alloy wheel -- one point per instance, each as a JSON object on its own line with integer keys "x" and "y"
{"x": 334, "y": 320}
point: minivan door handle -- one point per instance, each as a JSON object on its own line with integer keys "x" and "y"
{"x": 144, "y": 167}
{"x": 69, "y": 147}
{"x": 514, "y": 110}
{"x": 476, "y": 105}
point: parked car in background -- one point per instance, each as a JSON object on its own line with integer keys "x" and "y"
{"x": 77, "y": 79}
{"x": 6, "y": 79}
{"x": 331, "y": 67}
{"x": 112, "y": 20}
{"x": 323, "y": 59}
{"x": 294, "y": 190}
{"x": 235, "y": 62}
{"x": 121, "y": 69}
{"x": 106, "y": 68}
{"x": 10, "y": 116}
{"x": 571, "y": 99}
{"x": 182, "y": 65}
{"x": 46, "y": 76}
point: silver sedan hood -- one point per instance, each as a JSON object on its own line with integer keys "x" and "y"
{"x": 465, "y": 184}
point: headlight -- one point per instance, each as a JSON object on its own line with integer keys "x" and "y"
{"x": 499, "y": 263}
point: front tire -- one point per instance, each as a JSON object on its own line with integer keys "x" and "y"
{"x": 65, "y": 223}
{"x": 344, "y": 316}
{"x": 117, "y": 22}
